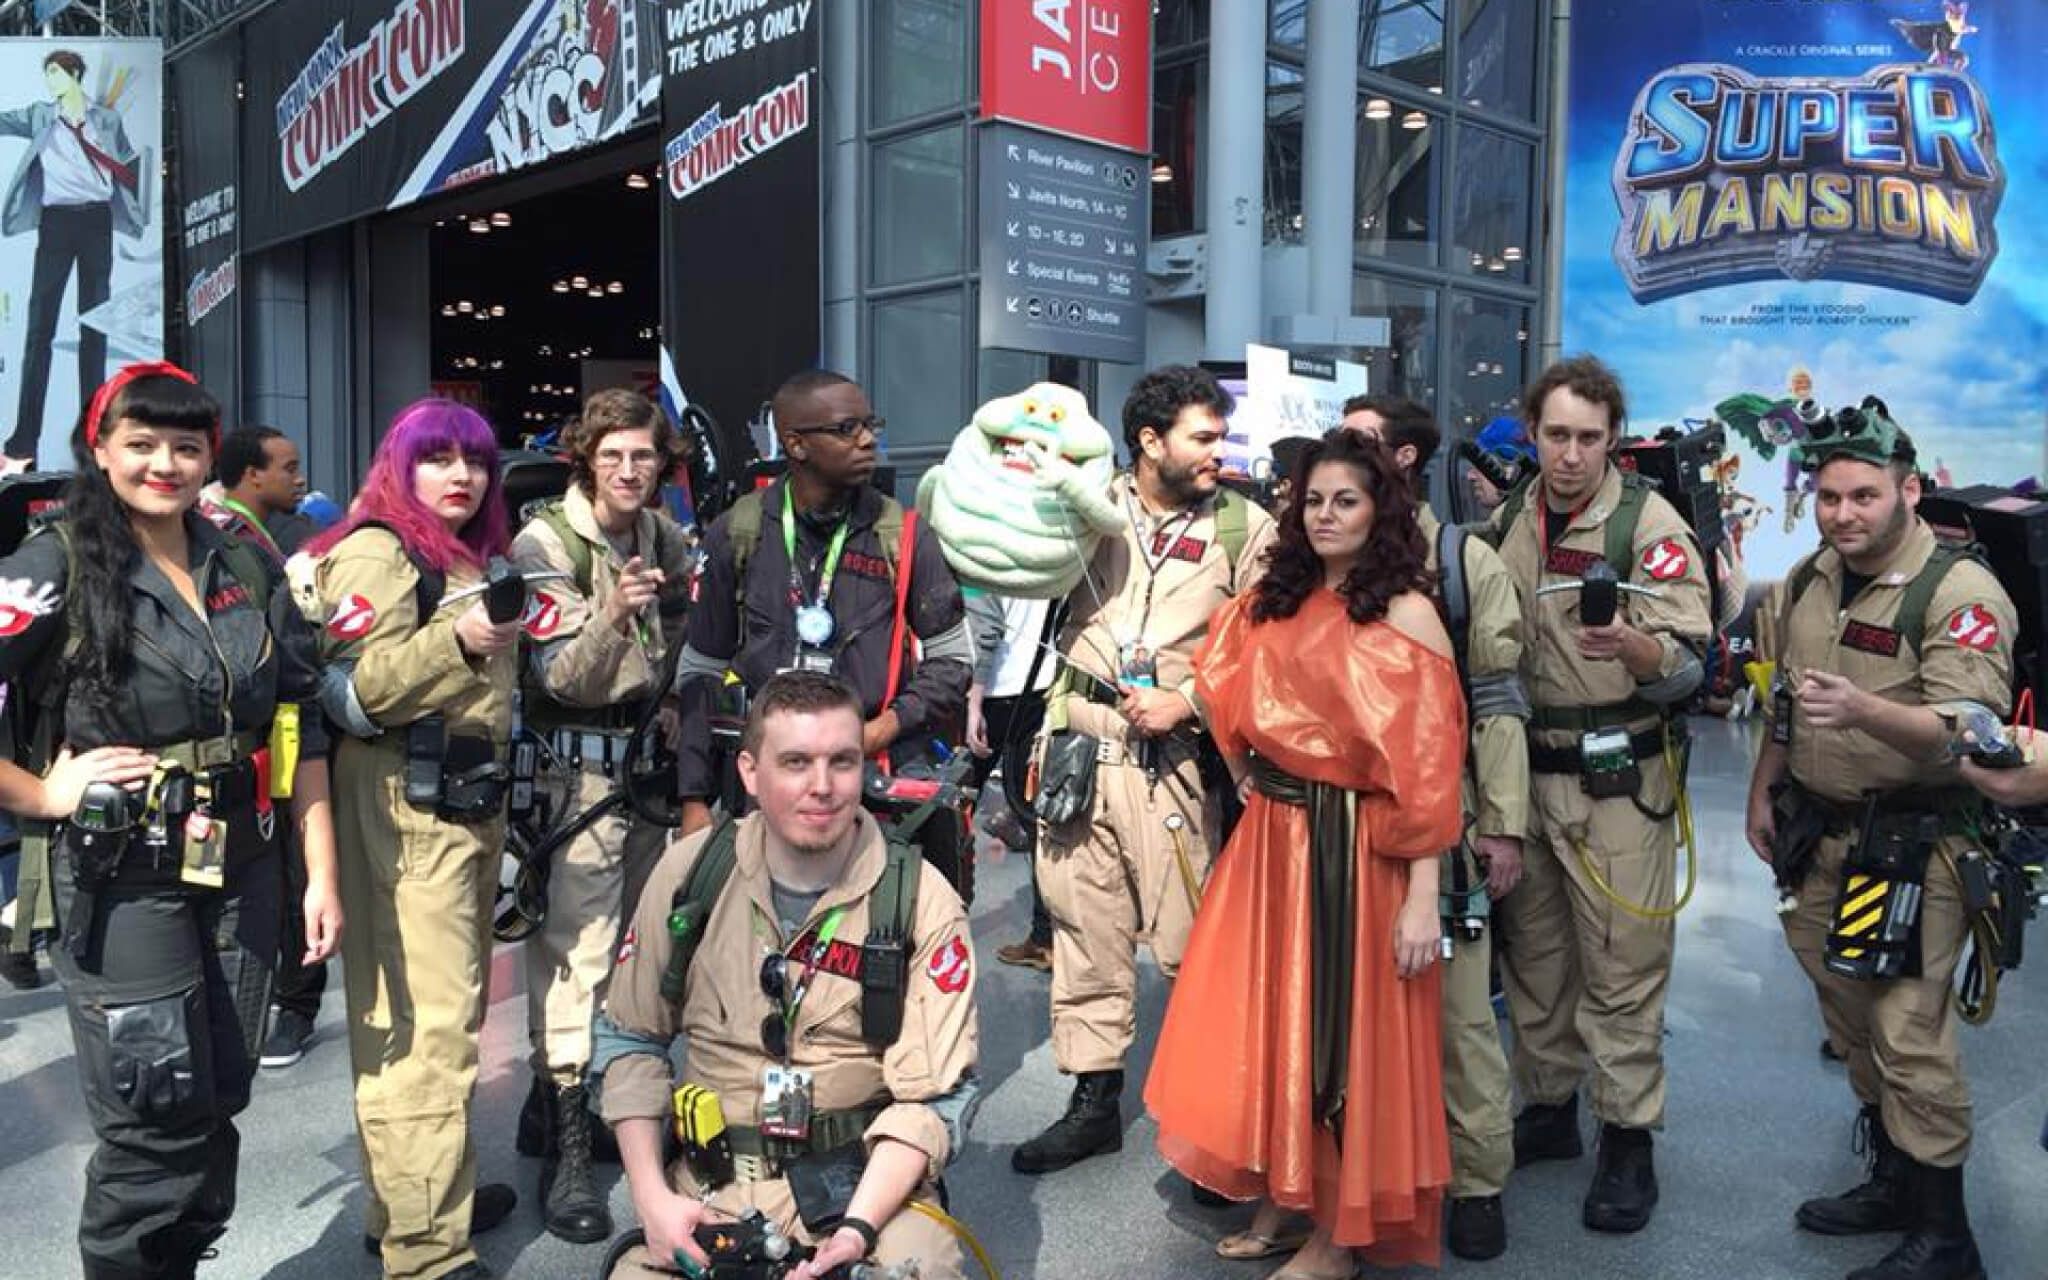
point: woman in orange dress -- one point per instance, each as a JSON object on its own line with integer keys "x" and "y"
{"x": 1300, "y": 1060}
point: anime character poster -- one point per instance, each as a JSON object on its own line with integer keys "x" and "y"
{"x": 81, "y": 243}
{"x": 1775, "y": 209}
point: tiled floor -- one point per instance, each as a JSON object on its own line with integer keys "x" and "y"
{"x": 1757, "y": 1121}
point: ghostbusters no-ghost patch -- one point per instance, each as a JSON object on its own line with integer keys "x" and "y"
{"x": 22, "y": 601}
{"x": 951, "y": 966}
{"x": 543, "y": 616}
{"x": 1667, "y": 560}
{"x": 1974, "y": 627}
{"x": 352, "y": 619}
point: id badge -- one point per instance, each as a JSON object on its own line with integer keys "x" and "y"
{"x": 786, "y": 1103}
{"x": 1137, "y": 665}
{"x": 206, "y": 851}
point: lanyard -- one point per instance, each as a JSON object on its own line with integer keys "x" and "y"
{"x": 255, "y": 525}
{"x": 826, "y": 932}
{"x": 1167, "y": 537}
{"x": 832, "y": 553}
{"x": 1543, "y": 514}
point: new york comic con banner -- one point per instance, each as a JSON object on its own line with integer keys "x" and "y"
{"x": 355, "y": 106}
{"x": 1772, "y": 202}
{"x": 81, "y": 238}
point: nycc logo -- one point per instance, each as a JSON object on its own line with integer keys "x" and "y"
{"x": 714, "y": 146}
{"x": 555, "y": 102}
{"x": 1891, "y": 178}
{"x": 345, "y": 91}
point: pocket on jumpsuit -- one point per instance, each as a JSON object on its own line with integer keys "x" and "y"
{"x": 155, "y": 1065}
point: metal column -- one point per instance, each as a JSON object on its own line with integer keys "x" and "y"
{"x": 844, "y": 26}
{"x": 1551, "y": 324}
{"x": 1235, "y": 155}
{"x": 1329, "y": 153}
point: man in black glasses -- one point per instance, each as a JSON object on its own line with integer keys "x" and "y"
{"x": 826, "y": 1003}
{"x": 805, "y": 575}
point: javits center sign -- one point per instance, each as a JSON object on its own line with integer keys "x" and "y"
{"x": 1887, "y": 178}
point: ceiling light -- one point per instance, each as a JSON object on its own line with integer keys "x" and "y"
{"x": 1496, "y": 367}
{"x": 447, "y": 308}
{"x": 465, "y": 306}
{"x": 616, "y": 286}
{"x": 1521, "y": 335}
{"x": 501, "y": 219}
{"x": 497, "y": 364}
{"x": 1478, "y": 260}
{"x": 1414, "y": 121}
{"x": 1495, "y": 264}
{"x": 1378, "y": 109}
{"x": 1162, "y": 172}
{"x": 579, "y": 282}
{"x": 497, "y": 309}
{"x": 1436, "y": 88}
{"x": 637, "y": 180}
{"x": 596, "y": 291}
{"x": 480, "y": 226}
{"x": 1513, "y": 253}
{"x": 561, "y": 286}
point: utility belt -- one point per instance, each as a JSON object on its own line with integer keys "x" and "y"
{"x": 457, "y": 777}
{"x": 1647, "y": 744}
{"x": 757, "y": 1157}
{"x": 1875, "y": 930}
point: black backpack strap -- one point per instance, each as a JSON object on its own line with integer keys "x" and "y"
{"x": 1453, "y": 587}
{"x": 1911, "y": 619}
{"x": 695, "y": 899}
{"x": 885, "y": 956}
{"x": 432, "y": 584}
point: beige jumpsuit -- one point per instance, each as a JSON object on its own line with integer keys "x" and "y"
{"x": 417, "y": 892}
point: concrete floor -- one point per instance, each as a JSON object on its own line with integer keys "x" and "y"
{"x": 1757, "y": 1121}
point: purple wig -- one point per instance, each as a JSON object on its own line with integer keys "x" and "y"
{"x": 423, "y": 430}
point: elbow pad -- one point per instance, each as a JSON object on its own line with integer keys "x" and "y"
{"x": 1501, "y": 694}
{"x": 338, "y": 699}
{"x": 1681, "y": 684}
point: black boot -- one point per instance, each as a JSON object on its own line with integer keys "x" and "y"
{"x": 1882, "y": 1203}
{"x": 537, "y": 1120}
{"x": 1624, "y": 1189}
{"x": 1547, "y": 1132}
{"x": 1478, "y": 1228}
{"x": 1092, "y": 1125}
{"x": 1938, "y": 1246}
{"x": 18, "y": 967}
{"x": 574, "y": 1209}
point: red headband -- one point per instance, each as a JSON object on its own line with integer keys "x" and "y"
{"x": 126, "y": 374}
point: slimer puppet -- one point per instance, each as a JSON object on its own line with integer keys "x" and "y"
{"x": 1023, "y": 495}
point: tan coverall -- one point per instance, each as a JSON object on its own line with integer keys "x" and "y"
{"x": 1898, "y": 1035}
{"x": 417, "y": 893}
{"x": 1585, "y": 977}
{"x": 723, "y": 1007}
{"x": 1111, "y": 877}
{"x": 590, "y": 679}
{"x": 1497, "y": 799}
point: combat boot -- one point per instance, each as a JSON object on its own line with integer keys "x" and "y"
{"x": 1884, "y": 1201}
{"x": 537, "y": 1120}
{"x": 1544, "y": 1131}
{"x": 1477, "y": 1228}
{"x": 1938, "y": 1245}
{"x": 574, "y": 1209}
{"x": 1624, "y": 1189}
{"x": 1092, "y": 1125}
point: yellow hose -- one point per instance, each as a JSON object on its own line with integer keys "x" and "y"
{"x": 1685, "y": 836}
{"x": 1175, "y": 824}
{"x": 958, "y": 1228}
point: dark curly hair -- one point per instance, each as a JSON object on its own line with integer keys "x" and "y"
{"x": 1159, "y": 396}
{"x": 617, "y": 409}
{"x": 1395, "y": 556}
{"x": 1588, "y": 379}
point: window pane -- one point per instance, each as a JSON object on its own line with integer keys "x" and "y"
{"x": 1396, "y": 162}
{"x": 1489, "y": 362}
{"x": 1497, "y": 52}
{"x": 920, "y": 56}
{"x": 919, "y": 384}
{"x": 1283, "y": 154}
{"x": 920, "y": 207}
{"x": 1287, "y": 23}
{"x": 1490, "y": 212}
{"x": 1005, "y": 373}
{"x": 1403, "y": 362}
{"x": 1179, "y": 22}
{"x": 1175, "y": 148}
{"x": 1404, "y": 39}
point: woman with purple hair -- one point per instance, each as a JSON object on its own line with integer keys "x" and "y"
{"x": 424, "y": 690}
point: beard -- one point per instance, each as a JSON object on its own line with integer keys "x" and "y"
{"x": 1180, "y": 482}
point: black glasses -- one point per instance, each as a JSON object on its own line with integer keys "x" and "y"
{"x": 774, "y": 1027}
{"x": 845, "y": 428}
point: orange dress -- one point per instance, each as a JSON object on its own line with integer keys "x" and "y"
{"x": 1371, "y": 711}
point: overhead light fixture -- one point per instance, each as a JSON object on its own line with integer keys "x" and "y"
{"x": 497, "y": 364}
{"x": 596, "y": 291}
{"x": 1436, "y": 88}
{"x": 616, "y": 286}
{"x": 561, "y": 286}
{"x": 501, "y": 219}
{"x": 1497, "y": 369}
{"x": 638, "y": 180}
{"x": 447, "y": 308}
{"x": 497, "y": 309}
{"x": 1513, "y": 253}
{"x": 480, "y": 226}
{"x": 465, "y": 306}
{"x": 1521, "y": 335}
{"x": 1414, "y": 121}
{"x": 1378, "y": 108}
{"x": 1495, "y": 264}
{"x": 579, "y": 282}
{"x": 1162, "y": 172}
{"x": 1478, "y": 260}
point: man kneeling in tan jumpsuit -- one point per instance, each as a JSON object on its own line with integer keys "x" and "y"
{"x": 807, "y": 869}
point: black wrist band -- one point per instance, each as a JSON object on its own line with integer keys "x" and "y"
{"x": 864, "y": 1229}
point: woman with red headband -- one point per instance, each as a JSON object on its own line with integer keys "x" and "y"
{"x": 421, "y": 679}
{"x": 158, "y": 668}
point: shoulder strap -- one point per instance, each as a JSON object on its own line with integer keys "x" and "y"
{"x": 693, "y": 903}
{"x": 1620, "y": 546}
{"x": 432, "y": 583}
{"x": 1911, "y": 619}
{"x": 1511, "y": 506}
{"x": 889, "y": 527}
{"x": 743, "y": 530}
{"x": 556, "y": 517}
{"x": 1453, "y": 587}
{"x": 1233, "y": 528}
{"x": 251, "y": 568}
{"x": 892, "y": 915}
